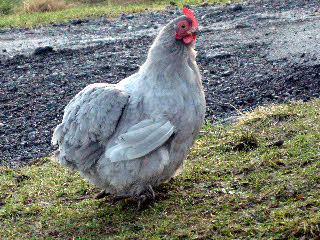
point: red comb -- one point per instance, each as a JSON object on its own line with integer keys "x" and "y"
{"x": 189, "y": 14}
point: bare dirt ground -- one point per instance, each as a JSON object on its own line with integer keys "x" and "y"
{"x": 250, "y": 54}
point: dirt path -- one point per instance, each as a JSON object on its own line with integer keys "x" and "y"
{"x": 250, "y": 54}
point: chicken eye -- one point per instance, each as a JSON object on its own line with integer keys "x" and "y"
{"x": 183, "y": 26}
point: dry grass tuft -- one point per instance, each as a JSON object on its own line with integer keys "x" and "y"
{"x": 31, "y": 6}
{"x": 121, "y": 2}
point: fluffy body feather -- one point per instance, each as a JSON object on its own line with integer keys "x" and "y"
{"x": 132, "y": 136}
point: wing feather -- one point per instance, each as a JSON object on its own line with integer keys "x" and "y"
{"x": 140, "y": 140}
{"x": 89, "y": 121}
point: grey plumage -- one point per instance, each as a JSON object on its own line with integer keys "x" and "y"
{"x": 132, "y": 136}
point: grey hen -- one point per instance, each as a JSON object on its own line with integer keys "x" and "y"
{"x": 130, "y": 137}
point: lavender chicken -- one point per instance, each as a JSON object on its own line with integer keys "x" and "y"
{"x": 130, "y": 137}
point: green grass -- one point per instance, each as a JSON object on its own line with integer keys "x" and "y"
{"x": 6, "y": 6}
{"x": 261, "y": 192}
{"x": 10, "y": 19}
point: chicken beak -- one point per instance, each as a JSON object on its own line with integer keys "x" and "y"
{"x": 196, "y": 32}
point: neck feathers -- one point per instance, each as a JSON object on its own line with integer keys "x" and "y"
{"x": 169, "y": 58}
{"x": 166, "y": 50}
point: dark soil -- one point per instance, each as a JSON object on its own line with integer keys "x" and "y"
{"x": 250, "y": 54}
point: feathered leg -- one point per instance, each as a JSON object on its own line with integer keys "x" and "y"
{"x": 146, "y": 196}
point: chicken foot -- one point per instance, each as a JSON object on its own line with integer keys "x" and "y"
{"x": 146, "y": 196}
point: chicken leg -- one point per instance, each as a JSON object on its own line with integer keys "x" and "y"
{"x": 146, "y": 196}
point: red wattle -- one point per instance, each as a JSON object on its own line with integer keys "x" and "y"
{"x": 188, "y": 39}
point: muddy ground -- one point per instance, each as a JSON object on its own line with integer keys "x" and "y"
{"x": 250, "y": 54}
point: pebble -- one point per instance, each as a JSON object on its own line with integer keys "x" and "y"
{"x": 237, "y": 7}
{"x": 218, "y": 55}
{"x": 43, "y": 50}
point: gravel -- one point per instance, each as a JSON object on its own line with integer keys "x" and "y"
{"x": 250, "y": 54}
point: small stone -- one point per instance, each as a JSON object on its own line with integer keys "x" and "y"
{"x": 241, "y": 25}
{"x": 21, "y": 178}
{"x": 43, "y": 50}
{"x": 251, "y": 99}
{"x": 226, "y": 73}
{"x": 219, "y": 55}
{"x": 205, "y": 4}
{"x": 78, "y": 21}
{"x": 212, "y": 71}
{"x": 32, "y": 136}
{"x": 13, "y": 88}
{"x": 237, "y": 7}
{"x": 232, "y": 119}
{"x": 129, "y": 17}
{"x": 278, "y": 143}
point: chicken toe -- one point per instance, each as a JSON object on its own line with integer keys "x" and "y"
{"x": 146, "y": 197}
